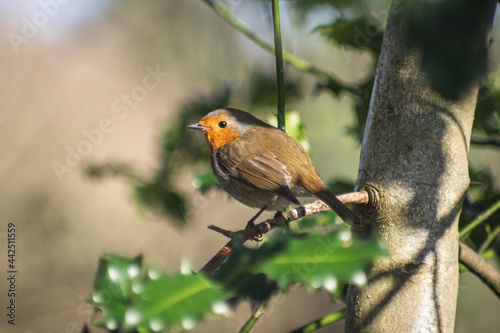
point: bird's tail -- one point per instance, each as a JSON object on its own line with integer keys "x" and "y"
{"x": 336, "y": 205}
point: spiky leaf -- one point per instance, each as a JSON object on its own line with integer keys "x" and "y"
{"x": 322, "y": 260}
{"x": 315, "y": 260}
{"x": 134, "y": 298}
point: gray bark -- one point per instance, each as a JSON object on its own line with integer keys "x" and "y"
{"x": 414, "y": 164}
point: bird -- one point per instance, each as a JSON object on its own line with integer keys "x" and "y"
{"x": 260, "y": 165}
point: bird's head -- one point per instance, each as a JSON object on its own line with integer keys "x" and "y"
{"x": 225, "y": 125}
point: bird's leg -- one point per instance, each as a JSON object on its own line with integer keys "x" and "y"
{"x": 251, "y": 224}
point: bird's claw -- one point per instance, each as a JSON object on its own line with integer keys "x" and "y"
{"x": 251, "y": 225}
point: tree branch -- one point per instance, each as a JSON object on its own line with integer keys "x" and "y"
{"x": 224, "y": 232}
{"x": 333, "y": 83}
{"x": 479, "y": 267}
{"x": 268, "y": 225}
{"x": 488, "y": 141}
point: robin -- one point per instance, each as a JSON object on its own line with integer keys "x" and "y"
{"x": 261, "y": 166}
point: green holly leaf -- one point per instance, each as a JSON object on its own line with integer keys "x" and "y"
{"x": 134, "y": 298}
{"x": 237, "y": 273}
{"x": 322, "y": 260}
{"x": 359, "y": 33}
{"x": 316, "y": 260}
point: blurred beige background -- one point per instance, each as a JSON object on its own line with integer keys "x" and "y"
{"x": 64, "y": 80}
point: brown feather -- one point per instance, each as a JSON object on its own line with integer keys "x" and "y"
{"x": 263, "y": 172}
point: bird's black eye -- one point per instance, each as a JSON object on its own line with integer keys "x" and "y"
{"x": 222, "y": 124}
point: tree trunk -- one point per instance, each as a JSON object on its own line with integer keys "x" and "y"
{"x": 414, "y": 164}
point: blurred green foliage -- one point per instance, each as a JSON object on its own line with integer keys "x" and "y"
{"x": 482, "y": 195}
{"x": 317, "y": 260}
{"x": 360, "y": 33}
{"x": 134, "y": 298}
{"x": 454, "y": 52}
{"x": 326, "y": 260}
{"x": 487, "y": 117}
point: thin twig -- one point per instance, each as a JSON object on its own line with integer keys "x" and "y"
{"x": 480, "y": 219}
{"x": 259, "y": 311}
{"x": 491, "y": 237}
{"x": 268, "y": 225}
{"x": 224, "y": 232}
{"x": 479, "y": 267}
{"x": 278, "y": 51}
{"x": 326, "y": 320}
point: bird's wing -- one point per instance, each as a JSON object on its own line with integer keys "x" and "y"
{"x": 263, "y": 171}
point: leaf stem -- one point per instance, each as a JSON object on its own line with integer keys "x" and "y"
{"x": 259, "y": 311}
{"x": 480, "y": 219}
{"x": 491, "y": 237}
{"x": 326, "y": 320}
{"x": 278, "y": 51}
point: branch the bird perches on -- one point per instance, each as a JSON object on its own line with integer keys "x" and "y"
{"x": 473, "y": 261}
{"x": 361, "y": 197}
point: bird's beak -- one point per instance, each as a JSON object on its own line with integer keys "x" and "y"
{"x": 197, "y": 127}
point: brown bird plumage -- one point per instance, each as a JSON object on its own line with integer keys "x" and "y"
{"x": 260, "y": 165}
